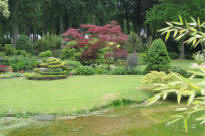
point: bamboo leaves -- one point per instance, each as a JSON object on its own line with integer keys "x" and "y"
{"x": 183, "y": 28}
{"x": 182, "y": 88}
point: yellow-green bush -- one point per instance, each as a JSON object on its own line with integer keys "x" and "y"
{"x": 158, "y": 77}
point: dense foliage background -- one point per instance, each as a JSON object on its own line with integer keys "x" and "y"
{"x": 56, "y": 16}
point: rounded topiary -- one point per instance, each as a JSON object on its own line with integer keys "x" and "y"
{"x": 49, "y": 69}
{"x": 23, "y": 43}
{"x": 45, "y": 54}
{"x": 158, "y": 58}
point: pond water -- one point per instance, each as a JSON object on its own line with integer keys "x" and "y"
{"x": 120, "y": 121}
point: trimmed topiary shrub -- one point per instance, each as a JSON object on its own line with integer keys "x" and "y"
{"x": 73, "y": 63}
{"x": 23, "y": 43}
{"x": 158, "y": 58}
{"x": 84, "y": 70}
{"x": 45, "y": 54}
{"x": 50, "y": 69}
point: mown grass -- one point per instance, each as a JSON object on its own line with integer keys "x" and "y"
{"x": 71, "y": 95}
{"x": 182, "y": 63}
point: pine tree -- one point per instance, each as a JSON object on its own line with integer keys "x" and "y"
{"x": 158, "y": 59}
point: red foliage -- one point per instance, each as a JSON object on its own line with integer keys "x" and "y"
{"x": 120, "y": 54}
{"x": 3, "y": 68}
{"x": 108, "y": 33}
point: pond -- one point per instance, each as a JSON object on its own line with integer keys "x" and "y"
{"x": 131, "y": 120}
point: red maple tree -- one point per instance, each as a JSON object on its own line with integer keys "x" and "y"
{"x": 92, "y": 39}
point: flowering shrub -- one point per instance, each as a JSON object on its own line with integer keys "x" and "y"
{"x": 3, "y": 68}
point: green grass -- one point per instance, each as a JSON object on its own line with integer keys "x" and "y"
{"x": 75, "y": 94}
{"x": 182, "y": 63}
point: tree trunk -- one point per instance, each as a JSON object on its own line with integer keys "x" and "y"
{"x": 127, "y": 21}
{"x": 134, "y": 51}
{"x": 182, "y": 51}
{"x": 15, "y": 24}
{"x": 61, "y": 25}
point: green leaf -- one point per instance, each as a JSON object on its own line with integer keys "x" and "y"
{"x": 165, "y": 96}
{"x": 179, "y": 96}
{"x": 170, "y": 24}
{"x": 194, "y": 21}
{"x": 199, "y": 22}
{"x": 173, "y": 121}
{"x": 167, "y": 36}
{"x": 181, "y": 109}
{"x": 177, "y": 23}
{"x": 191, "y": 98}
{"x": 181, "y": 20}
{"x": 153, "y": 100}
{"x": 194, "y": 41}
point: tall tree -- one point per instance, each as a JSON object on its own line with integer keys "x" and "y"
{"x": 169, "y": 10}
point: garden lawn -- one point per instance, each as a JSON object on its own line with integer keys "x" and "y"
{"x": 182, "y": 63}
{"x": 75, "y": 94}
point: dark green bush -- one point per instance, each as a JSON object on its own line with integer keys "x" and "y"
{"x": 9, "y": 50}
{"x": 21, "y": 52}
{"x": 158, "y": 58}
{"x": 52, "y": 42}
{"x": 142, "y": 59}
{"x": 23, "y": 43}
{"x": 84, "y": 70}
{"x": 136, "y": 71}
{"x": 57, "y": 53}
{"x": 100, "y": 70}
{"x": 4, "y": 60}
{"x": 173, "y": 55}
{"x": 189, "y": 56}
{"x": 45, "y": 54}
{"x": 2, "y": 54}
{"x": 68, "y": 53}
{"x": 120, "y": 71}
{"x": 4, "y": 40}
{"x": 22, "y": 63}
